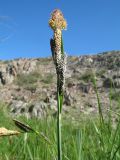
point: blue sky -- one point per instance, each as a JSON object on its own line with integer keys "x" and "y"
{"x": 93, "y": 27}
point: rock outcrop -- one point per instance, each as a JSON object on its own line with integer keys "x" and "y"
{"x": 28, "y": 86}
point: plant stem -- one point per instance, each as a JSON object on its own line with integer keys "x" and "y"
{"x": 59, "y": 104}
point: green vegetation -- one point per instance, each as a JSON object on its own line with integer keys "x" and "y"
{"x": 48, "y": 78}
{"x": 88, "y": 140}
{"x": 115, "y": 95}
{"x": 87, "y": 76}
{"x": 100, "y": 73}
{"x": 28, "y": 81}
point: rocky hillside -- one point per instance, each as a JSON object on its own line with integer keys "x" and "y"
{"x": 28, "y": 86}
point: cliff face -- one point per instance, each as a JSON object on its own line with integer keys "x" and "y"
{"x": 28, "y": 86}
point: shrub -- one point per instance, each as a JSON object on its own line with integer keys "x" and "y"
{"x": 28, "y": 81}
{"x": 87, "y": 76}
{"x": 48, "y": 79}
{"x": 100, "y": 73}
{"x": 43, "y": 61}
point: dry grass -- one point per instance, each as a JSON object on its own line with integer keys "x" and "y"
{"x": 6, "y": 132}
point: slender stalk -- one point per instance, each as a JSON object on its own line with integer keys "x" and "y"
{"x": 59, "y": 104}
{"x": 59, "y": 137}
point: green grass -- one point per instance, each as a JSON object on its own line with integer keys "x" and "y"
{"x": 116, "y": 95}
{"x": 87, "y": 140}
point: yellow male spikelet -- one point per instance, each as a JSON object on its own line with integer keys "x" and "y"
{"x": 57, "y": 20}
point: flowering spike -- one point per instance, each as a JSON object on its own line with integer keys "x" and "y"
{"x": 57, "y": 20}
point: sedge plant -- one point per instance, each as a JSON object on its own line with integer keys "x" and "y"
{"x": 57, "y": 24}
